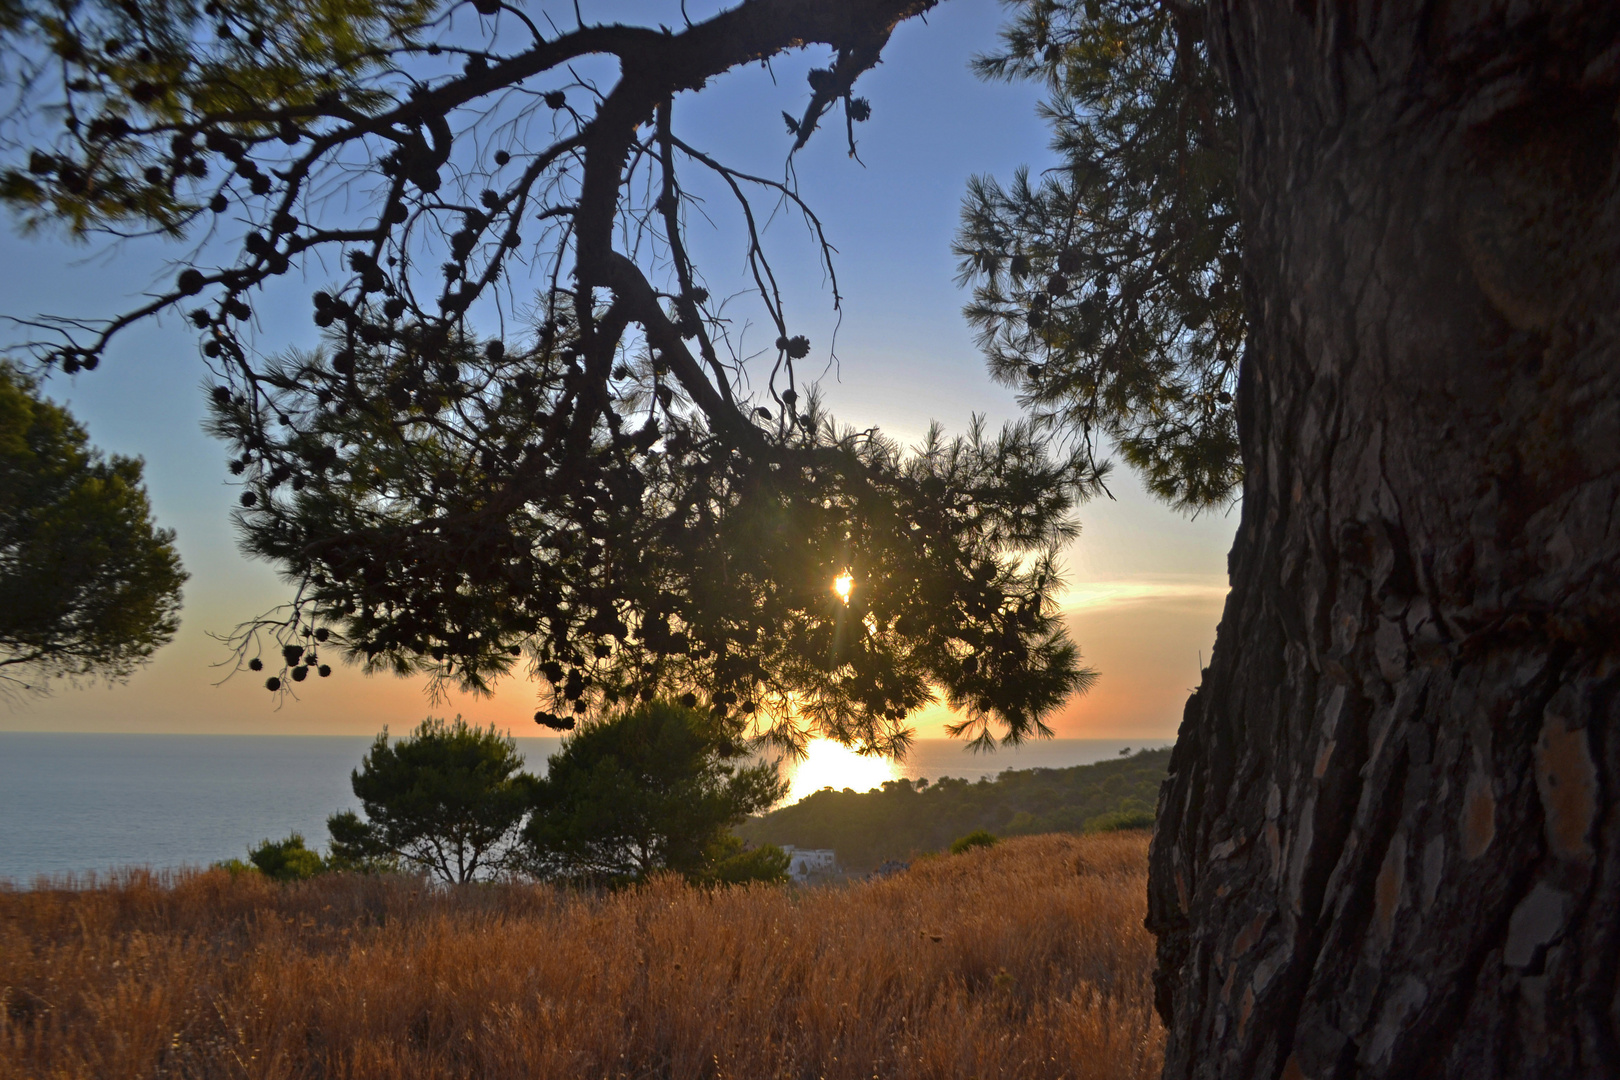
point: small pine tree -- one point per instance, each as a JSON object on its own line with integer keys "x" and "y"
{"x": 448, "y": 798}
{"x": 652, "y": 788}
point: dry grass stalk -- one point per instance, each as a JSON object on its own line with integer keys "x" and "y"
{"x": 1025, "y": 960}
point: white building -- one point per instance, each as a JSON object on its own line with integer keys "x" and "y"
{"x": 807, "y": 863}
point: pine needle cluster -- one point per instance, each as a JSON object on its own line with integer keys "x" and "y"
{"x": 1107, "y": 291}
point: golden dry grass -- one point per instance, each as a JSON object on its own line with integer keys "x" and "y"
{"x": 1025, "y": 960}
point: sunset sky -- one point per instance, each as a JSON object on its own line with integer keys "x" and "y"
{"x": 1146, "y": 584}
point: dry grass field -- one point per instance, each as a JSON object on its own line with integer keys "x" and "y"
{"x": 1024, "y": 960}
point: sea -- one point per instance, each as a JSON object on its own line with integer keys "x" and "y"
{"x": 77, "y": 805}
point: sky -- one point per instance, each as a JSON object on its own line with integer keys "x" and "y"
{"x": 1146, "y": 584}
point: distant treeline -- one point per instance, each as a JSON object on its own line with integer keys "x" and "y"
{"x": 906, "y": 818}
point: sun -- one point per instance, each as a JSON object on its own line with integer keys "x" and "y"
{"x": 831, "y": 764}
{"x": 843, "y": 585}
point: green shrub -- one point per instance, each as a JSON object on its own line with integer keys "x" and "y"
{"x": 731, "y": 864}
{"x": 286, "y": 860}
{"x": 1120, "y": 819}
{"x": 976, "y": 838}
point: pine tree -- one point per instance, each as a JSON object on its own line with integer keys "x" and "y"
{"x": 446, "y": 799}
{"x": 89, "y": 585}
{"x": 655, "y": 787}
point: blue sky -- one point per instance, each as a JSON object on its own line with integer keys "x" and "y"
{"x": 1147, "y": 583}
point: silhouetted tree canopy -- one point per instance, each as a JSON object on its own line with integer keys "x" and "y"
{"x": 89, "y": 586}
{"x": 605, "y": 491}
{"x": 1108, "y": 291}
{"x": 656, "y": 787}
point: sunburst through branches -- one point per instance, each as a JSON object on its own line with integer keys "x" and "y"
{"x": 600, "y": 496}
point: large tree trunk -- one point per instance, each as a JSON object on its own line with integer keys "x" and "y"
{"x": 1390, "y": 841}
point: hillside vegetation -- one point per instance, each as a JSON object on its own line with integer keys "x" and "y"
{"x": 903, "y": 819}
{"x": 1024, "y": 960}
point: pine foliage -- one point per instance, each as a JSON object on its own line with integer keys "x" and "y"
{"x": 447, "y": 799}
{"x": 1107, "y": 290}
{"x": 89, "y": 585}
{"x": 656, "y": 787}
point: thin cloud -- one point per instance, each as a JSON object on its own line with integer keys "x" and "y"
{"x": 1086, "y": 597}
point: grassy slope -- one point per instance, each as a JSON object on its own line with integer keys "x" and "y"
{"x": 1025, "y": 960}
{"x": 898, "y": 821}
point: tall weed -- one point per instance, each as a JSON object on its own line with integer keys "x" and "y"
{"x": 1024, "y": 960}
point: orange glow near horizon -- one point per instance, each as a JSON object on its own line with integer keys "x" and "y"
{"x": 1147, "y": 638}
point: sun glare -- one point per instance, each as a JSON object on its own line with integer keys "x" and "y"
{"x": 843, "y": 585}
{"x": 830, "y": 764}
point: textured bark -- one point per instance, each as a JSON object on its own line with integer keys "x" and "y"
{"x": 1390, "y": 841}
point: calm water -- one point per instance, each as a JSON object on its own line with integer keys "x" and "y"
{"x": 73, "y": 803}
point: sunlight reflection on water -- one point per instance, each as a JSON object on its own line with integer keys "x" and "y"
{"x": 838, "y": 767}
{"x": 830, "y": 765}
